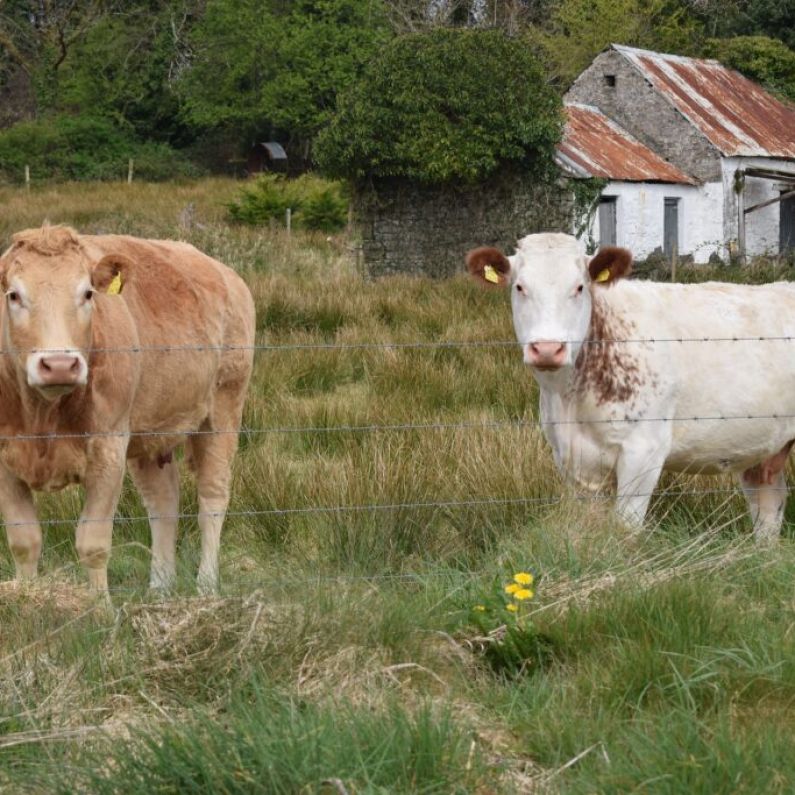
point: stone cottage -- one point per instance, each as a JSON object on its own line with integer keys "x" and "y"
{"x": 699, "y": 159}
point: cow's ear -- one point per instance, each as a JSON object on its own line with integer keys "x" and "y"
{"x": 610, "y": 264}
{"x": 110, "y": 273}
{"x": 489, "y": 266}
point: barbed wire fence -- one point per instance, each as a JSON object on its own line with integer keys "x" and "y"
{"x": 381, "y": 428}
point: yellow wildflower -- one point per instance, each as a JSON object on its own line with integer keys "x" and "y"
{"x": 479, "y": 608}
{"x": 511, "y": 588}
{"x": 511, "y": 607}
{"x": 522, "y": 594}
{"x": 523, "y": 578}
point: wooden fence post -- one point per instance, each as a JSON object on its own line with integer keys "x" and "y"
{"x": 27, "y": 178}
{"x": 130, "y": 168}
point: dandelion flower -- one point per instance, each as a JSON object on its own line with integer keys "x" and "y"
{"x": 512, "y": 588}
{"x": 479, "y": 608}
{"x": 522, "y": 594}
{"x": 511, "y": 608}
{"x": 523, "y": 578}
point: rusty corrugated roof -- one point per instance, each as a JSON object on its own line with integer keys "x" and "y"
{"x": 735, "y": 114}
{"x": 596, "y": 146}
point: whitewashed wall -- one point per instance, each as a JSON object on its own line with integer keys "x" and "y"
{"x": 639, "y": 217}
{"x": 761, "y": 226}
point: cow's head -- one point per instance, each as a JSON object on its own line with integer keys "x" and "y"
{"x": 50, "y": 287}
{"x": 551, "y": 281}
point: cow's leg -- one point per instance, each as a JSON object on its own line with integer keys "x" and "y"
{"x": 638, "y": 469}
{"x": 766, "y": 505}
{"x": 158, "y": 484}
{"x": 103, "y": 482}
{"x": 765, "y": 489}
{"x": 22, "y": 526}
{"x": 212, "y": 456}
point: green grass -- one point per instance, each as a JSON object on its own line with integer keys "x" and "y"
{"x": 343, "y": 648}
{"x": 267, "y": 742}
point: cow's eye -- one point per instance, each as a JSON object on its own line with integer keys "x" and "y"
{"x": 12, "y": 296}
{"x": 579, "y": 289}
{"x": 88, "y": 295}
{"x": 519, "y": 288}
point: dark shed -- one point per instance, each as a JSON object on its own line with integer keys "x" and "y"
{"x": 266, "y": 156}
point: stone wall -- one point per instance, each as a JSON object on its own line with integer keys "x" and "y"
{"x": 651, "y": 118}
{"x": 410, "y": 228}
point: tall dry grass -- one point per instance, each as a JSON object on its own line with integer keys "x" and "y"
{"x": 342, "y": 648}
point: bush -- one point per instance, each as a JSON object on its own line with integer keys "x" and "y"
{"x": 316, "y": 203}
{"x": 84, "y": 148}
{"x": 442, "y": 106}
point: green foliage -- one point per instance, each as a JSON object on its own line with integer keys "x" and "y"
{"x": 83, "y": 148}
{"x": 441, "y": 106}
{"x": 579, "y": 30}
{"x": 326, "y": 210}
{"x": 766, "y": 61}
{"x": 316, "y": 203}
{"x": 126, "y": 65}
{"x": 728, "y": 18}
{"x": 275, "y": 69}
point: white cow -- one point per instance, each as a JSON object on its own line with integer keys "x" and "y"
{"x": 637, "y": 377}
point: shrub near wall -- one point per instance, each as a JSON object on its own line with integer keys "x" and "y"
{"x": 444, "y": 106}
{"x": 316, "y": 203}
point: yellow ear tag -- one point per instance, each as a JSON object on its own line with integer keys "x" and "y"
{"x": 603, "y": 276}
{"x": 491, "y": 275}
{"x": 114, "y": 288}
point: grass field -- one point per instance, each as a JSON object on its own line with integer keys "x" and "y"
{"x": 347, "y": 652}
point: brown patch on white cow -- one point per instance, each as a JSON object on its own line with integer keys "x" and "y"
{"x": 605, "y": 366}
{"x": 765, "y": 472}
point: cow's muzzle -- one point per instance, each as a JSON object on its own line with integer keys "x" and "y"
{"x": 546, "y": 354}
{"x": 55, "y": 374}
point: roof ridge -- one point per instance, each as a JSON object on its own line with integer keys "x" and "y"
{"x": 674, "y": 56}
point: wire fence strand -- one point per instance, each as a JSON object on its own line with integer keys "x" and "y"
{"x": 397, "y": 344}
{"x": 391, "y": 427}
{"x": 398, "y": 506}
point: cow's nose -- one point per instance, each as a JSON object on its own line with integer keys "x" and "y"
{"x": 59, "y": 369}
{"x": 547, "y": 354}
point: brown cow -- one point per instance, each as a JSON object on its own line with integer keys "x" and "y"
{"x": 119, "y": 376}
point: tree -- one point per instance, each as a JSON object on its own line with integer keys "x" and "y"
{"x": 127, "y": 66}
{"x": 442, "y": 106}
{"x": 38, "y": 35}
{"x": 273, "y": 68}
{"x": 726, "y": 18}
{"x": 768, "y": 62}
{"x": 580, "y": 29}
